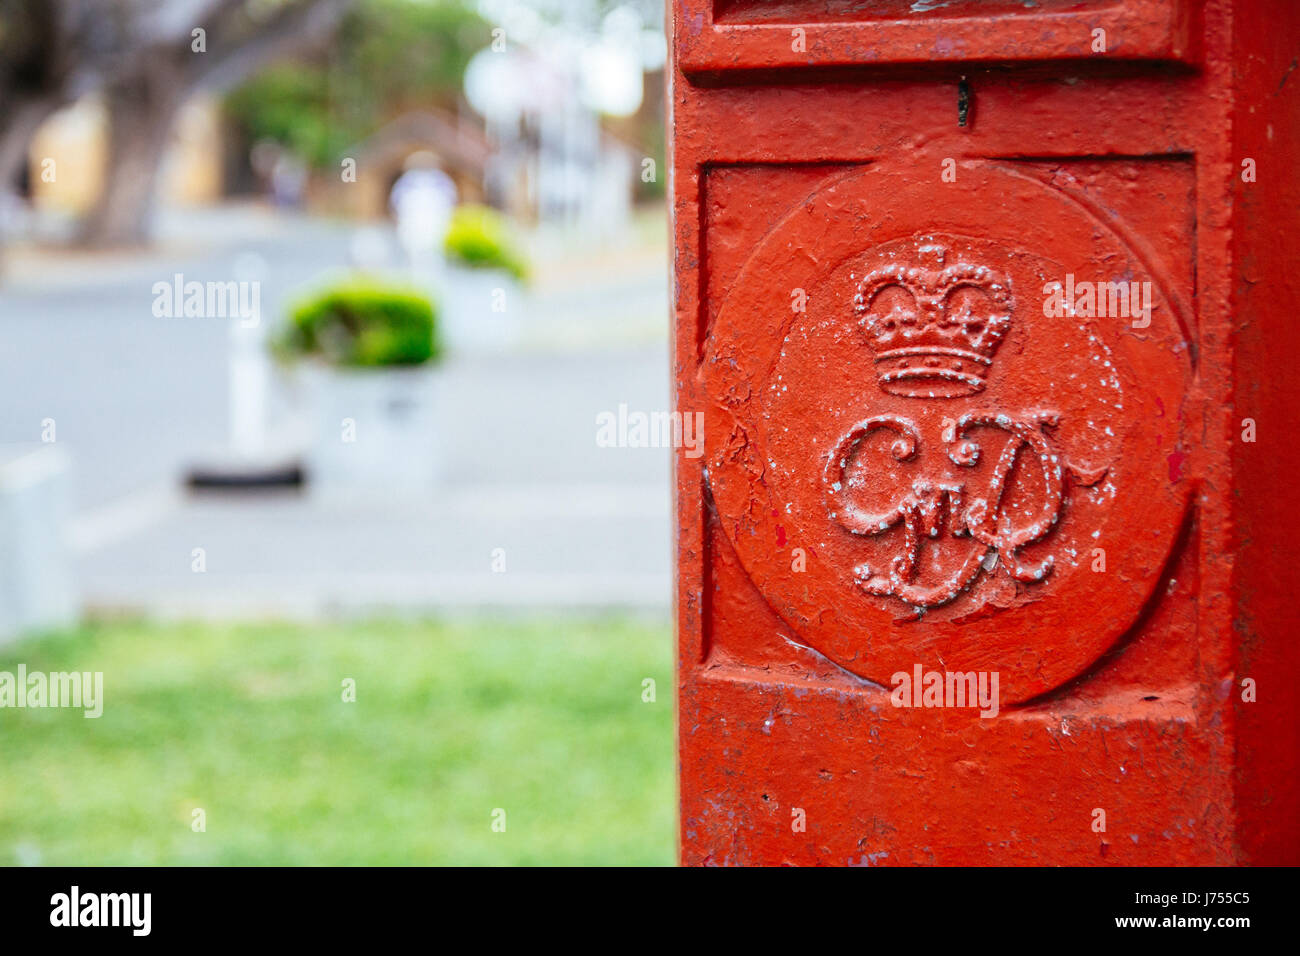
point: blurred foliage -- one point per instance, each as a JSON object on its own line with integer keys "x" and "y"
{"x": 479, "y": 237}
{"x": 362, "y": 323}
{"x": 290, "y": 105}
{"x": 542, "y": 718}
{"x": 389, "y": 56}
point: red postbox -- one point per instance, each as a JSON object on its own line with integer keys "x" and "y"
{"x": 988, "y": 309}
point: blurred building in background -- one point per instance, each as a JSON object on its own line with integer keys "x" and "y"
{"x": 456, "y": 141}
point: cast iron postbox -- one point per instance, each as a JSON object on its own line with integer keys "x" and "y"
{"x": 988, "y": 307}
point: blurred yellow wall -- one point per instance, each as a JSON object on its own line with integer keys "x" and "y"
{"x": 67, "y": 157}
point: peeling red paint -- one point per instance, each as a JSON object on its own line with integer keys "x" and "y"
{"x": 1176, "y": 459}
{"x": 780, "y": 531}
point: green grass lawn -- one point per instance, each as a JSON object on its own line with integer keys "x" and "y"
{"x": 452, "y": 720}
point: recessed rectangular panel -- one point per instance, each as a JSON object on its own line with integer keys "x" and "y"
{"x": 722, "y": 35}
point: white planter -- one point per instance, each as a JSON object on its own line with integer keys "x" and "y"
{"x": 481, "y": 310}
{"x": 375, "y": 430}
{"x": 37, "y": 589}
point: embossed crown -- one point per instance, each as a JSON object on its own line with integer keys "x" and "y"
{"x": 934, "y": 326}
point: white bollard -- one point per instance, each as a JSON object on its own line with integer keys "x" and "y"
{"x": 37, "y": 590}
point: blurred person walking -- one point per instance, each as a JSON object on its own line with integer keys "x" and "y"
{"x": 422, "y": 200}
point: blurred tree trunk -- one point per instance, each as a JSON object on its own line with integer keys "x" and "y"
{"x": 21, "y": 121}
{"x": 144, "y": 99}
{"x": 43, "y": 64}
{"x": 141, "y": 109}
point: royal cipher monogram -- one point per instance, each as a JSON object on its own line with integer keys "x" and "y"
{"x": 935, "y": 327}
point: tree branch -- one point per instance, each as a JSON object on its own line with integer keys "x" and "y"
{"x": 235, "y": 52}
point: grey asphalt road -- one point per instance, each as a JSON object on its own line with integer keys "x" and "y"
{"x": 136, "y": 398}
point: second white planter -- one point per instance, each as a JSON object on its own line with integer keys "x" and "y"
{"x": 481, "y": 310}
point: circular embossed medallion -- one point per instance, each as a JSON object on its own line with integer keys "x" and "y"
{"x": 983, "y": 470}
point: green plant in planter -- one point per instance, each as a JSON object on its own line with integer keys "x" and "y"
{"x": 362, "y": 323}
{"x": 479, "y": 237}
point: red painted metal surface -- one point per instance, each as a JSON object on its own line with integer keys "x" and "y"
{"x": 978, "y": 566}
{"x": 716, "y": 35}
